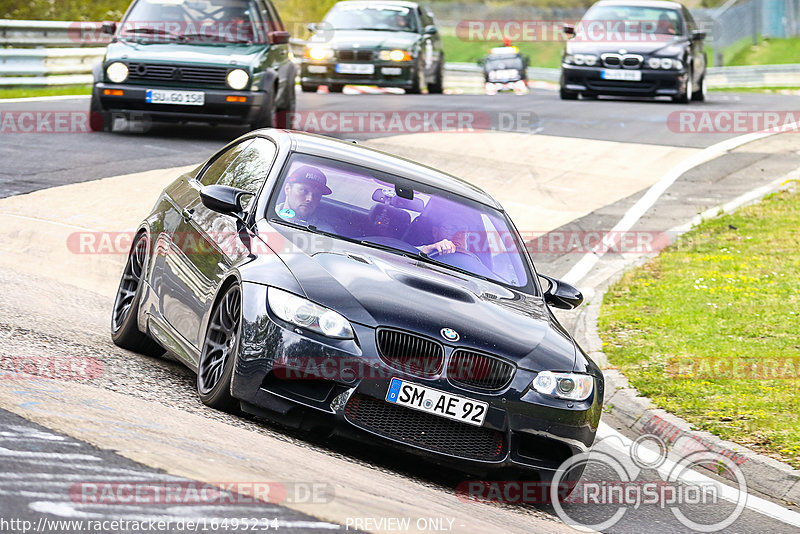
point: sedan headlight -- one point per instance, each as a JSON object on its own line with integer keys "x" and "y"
{"x": 304, "y": 313}
{"x": 580, "y": 59}
{"x": 319, "y": 53}
{"x": 666, "y": 63}
{"x": 117, "y": 72}
{"x": 394, "y": 55}
{"x": 237, "y": 79}
{"x": 571, "y": 386}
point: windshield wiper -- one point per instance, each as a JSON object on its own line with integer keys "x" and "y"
{"x": 155, "y": 31}
{"x": 215, "y": 39}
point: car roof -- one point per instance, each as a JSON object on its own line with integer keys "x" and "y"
{"x": 640, "y": 3}
{"x": 320, "y": 145}
{"x": 402, "y": 3}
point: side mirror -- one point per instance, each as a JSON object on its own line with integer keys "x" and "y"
{"x": 278, "y": 37}
{"x": 430, "y": 30}
{"x": 224, "y": 199}
{"x": 569, "y": 29}
{"x": 561, "y": 294}
{"x": 109, "y": 28}
{"x": 312, "y": 27}
{"x": 698, "y": 35}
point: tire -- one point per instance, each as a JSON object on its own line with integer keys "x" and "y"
{"x": 568, "y": 95}
{"x": 125, "y": 331}
{"x": 700, "y": 94}
{"x": 286, "y": 114}
{"x": 267, "y": 115}
{"x": 686, "y": 96}
{"x": 307, "y": 88}
{"x": 419, "y": 81}
{"x": 437, "y": 87}
{"x": 336, "y": 87}
{"x": 99, "y": 119}
{"x": 218, "y": 355}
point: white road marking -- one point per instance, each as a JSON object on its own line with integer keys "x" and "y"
{"x": 11, "y": 478}
{"x": 632, "y": 216}
{"x": 44, "y": 98}
{"x": 728, "y": 493}
{"x": 56, "y": 455}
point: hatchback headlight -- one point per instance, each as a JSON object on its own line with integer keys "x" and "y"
{"x": 571, "y": 386}
{"x": 117, "y": 72}
{"x": 394, "y": 55}
{"x": 305, "y": 314}
{"x": 237, "y": 79}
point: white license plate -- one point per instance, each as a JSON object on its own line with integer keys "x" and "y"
{"x": 624, "y": 75}
{"x": 355, "y": 68}
{"x": 436, "y": 402}
{"x": 181, "y": 98}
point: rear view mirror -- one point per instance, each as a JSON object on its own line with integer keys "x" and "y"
{"x": 388, "y": 196}
{"x": 698, "y": 35}
{"x": 569, "y": 29}
{"x": 430, "y": 30}
{"x": 109, "y": 28}
{"x": 278, "y": 37}
{"x": 224, "y": 199}
{"x": 561, "y": 294}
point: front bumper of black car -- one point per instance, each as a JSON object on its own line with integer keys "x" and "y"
{"x": 217, "y": 107}
{"x": 523, "y": 430}
{"x": 589, "y": 80}
{"x": 386, "y": 74}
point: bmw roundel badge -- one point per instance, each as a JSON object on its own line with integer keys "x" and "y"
{"x": 449, "y": 334}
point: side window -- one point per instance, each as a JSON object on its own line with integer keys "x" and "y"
{"x": 425, "y": 18}
{"x": 277, "y": 23}
{"x": 689, "y": 20}
{"x": 213, "y": 173}
{"x": 250, "y": 169}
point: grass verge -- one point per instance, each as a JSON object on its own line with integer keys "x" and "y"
{"x": 710, "y": 329}
{"x": 27, "y": 92}
{"x": 767, "y": 52}
{"x": 542, "y": 54}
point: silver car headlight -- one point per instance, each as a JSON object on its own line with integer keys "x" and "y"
{"x": 237, "y": 79}
{"x": 305, "y": 314}
{"x": 570, "y": 386}
{"x": 117, "y": 72}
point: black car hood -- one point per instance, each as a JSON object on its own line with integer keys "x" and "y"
{"x": 575, "y": 46}
{"x": 378, "y": 288}
{"x": 367, "y": 39}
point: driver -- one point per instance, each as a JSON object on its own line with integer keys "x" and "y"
{"x": 665, "y": 25}
{"x": 450, "y": 236}
{"x": 304, "y": 189}
{"x": 400, "y": 21}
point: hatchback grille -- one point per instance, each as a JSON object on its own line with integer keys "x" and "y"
{"x": 467, "y": 368}
{"x": 409, "y": 353}
{"x": 425, "y": 430}
{"x": 355, "y": 55}
{"x": 188, "y": 74}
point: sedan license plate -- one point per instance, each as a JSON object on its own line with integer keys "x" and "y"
{"x": 624, "y": 75}
{"x": 181, "y": 98}
{"x": 355, "y": 68}
{"x": 436, "y": 402}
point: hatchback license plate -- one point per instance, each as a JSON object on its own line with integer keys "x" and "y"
{"x": 355, "y": 68}
{"x": 436, "y": 402}
{"x": 181, "y": 98}
{"x": 624, "y": 75}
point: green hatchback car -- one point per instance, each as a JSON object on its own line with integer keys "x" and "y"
{"x": 214, "y": 61}
{"x": 384, "y": 43}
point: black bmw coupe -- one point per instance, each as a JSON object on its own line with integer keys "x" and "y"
{"x": 330, "y": 286}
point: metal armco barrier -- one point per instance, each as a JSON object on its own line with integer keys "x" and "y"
{"x": 40, "y": 53}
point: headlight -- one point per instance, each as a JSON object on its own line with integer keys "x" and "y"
{"x": 318, "y": 53}
{"x": 571, "y": 386}
{"x": 580, "y": 59}
{"x": 117, "y": 72}
{"x": 306, "y": 314}
{"x": 237, "y": 79}
{"x": 394, "y": 55}
{"x": 664, "y": 63}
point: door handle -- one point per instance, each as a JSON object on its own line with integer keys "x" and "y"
{"x": 187, "y": 215}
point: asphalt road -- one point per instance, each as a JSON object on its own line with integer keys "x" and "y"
{"x": 33, "y": 161}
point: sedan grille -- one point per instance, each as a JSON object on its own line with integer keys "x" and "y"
{"x": 409, "y": 353}
{"x": 425, "y": 430}
{"x": 467, "y": 368}
{"x": 355, "y": 55}
{"x": 195, "y": 75}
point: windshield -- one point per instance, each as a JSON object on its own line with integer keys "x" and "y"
{"x": 385, "y": 17}
{"x": 634, "y": 19}
{"x": 206, "y": 21}
{"x": 382, "y": 210}
{"x": 504, "y": 62}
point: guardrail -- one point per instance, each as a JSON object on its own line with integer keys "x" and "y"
{"x": 38, "y": 58}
